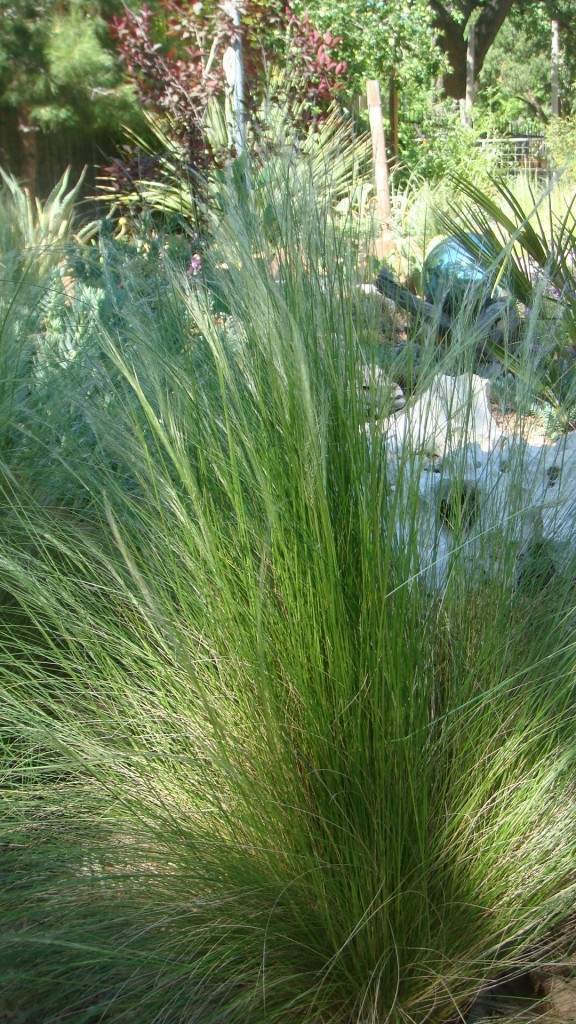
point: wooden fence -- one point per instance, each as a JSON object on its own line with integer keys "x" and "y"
{"x": 54, "y": 153}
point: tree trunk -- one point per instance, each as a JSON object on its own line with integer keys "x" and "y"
{"x": 470, "y": 73}
{"x": 29, "y": 149}
{"x": 234, "y": 71}
{"x": 452, "y": 39}
{"x": 555, "y": 66}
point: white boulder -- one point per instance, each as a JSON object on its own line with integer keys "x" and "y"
{"x": 462, "y": 489}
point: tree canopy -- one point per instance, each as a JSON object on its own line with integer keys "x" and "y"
{"x": 382, "y": 40}
{"x": 61, "y": 66}
{"x": 417, "y": 41}
{"x": 58, "y": 65}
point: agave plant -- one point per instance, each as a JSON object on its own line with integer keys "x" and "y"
{"x": 39, "y": 228}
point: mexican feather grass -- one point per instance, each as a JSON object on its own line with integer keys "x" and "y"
{"x": 256, "y": 771}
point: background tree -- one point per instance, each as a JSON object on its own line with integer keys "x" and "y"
{"x": 58, "y": 71}
{"x": 453, "y": 20}
{"x": 415, "y": 41}
{"x": 516, "y": 79}
{"x": 396, "y": 39}
{"x": 538, "y": 17}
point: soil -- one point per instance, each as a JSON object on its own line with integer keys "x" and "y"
{"x": 562, "y": 1002}
{"x": 537, "y": 998}
{"x": 531, "y": 428}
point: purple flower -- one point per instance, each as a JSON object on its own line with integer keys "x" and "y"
{"x": 195, "y": 265}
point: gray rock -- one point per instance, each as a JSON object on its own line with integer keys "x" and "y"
{"x": 451, "y": 412}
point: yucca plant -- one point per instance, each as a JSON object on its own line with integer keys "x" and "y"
{"x": 524, "y": 239}
{"x": 533, "y": 234}
{"x": 256, "y": 767}
{"x": 330, "y": 151}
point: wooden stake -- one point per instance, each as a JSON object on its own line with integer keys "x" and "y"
{"x": 384, "y": 242}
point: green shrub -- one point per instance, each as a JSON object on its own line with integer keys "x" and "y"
{"x": 439, "y": 144}
{"x": 561, "y": 143}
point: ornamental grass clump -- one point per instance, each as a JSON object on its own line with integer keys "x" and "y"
{"x": 255, "y": 767}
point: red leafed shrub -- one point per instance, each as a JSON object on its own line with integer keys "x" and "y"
{"x": 323, "y": 76}
{"x": 173, "y": 54}
{"x": 174, "y": 51}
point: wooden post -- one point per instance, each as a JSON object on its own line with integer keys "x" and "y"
{"x": 384, "y": 242}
